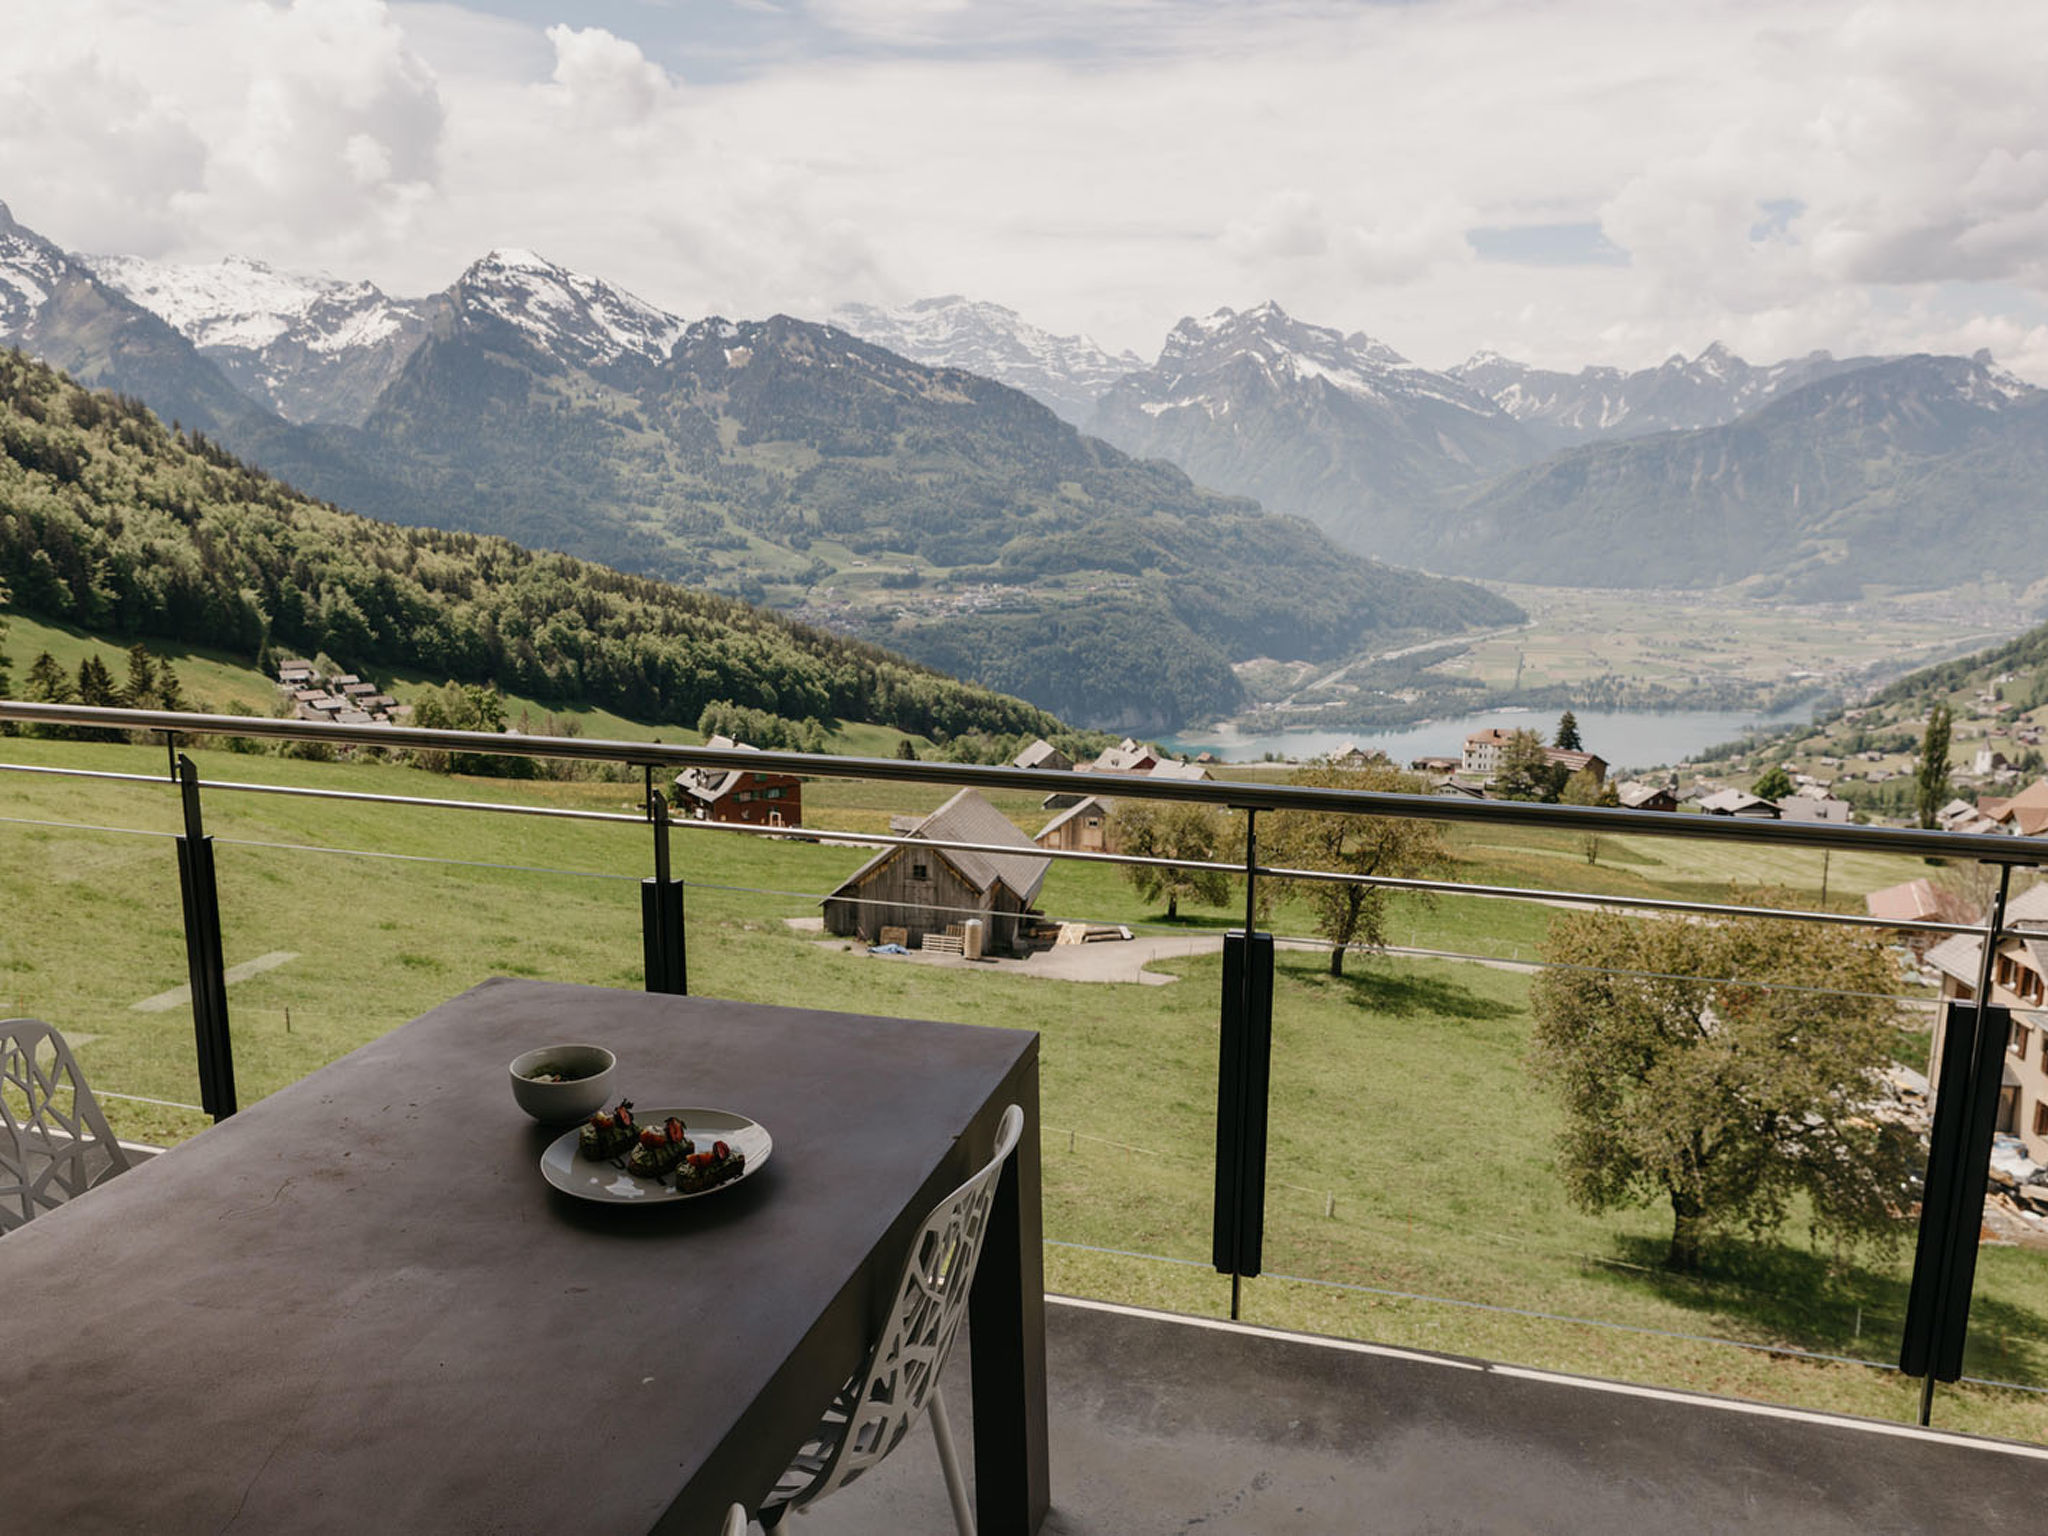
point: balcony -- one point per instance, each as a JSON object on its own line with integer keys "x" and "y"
{"x": 1170, "y": 1423}
{"x": 1407, "y": 1200}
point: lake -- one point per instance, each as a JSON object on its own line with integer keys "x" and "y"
{"x": 1627, "y": 739}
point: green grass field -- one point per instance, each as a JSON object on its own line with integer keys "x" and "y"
{"x": 1410, "y": 1194}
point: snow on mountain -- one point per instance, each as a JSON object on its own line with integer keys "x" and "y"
{"x": 313, "y": 348}
{"x": 247, "y": 305}
{"x": 1679, "y": 394}
{"x": 1066, "y": 373}
{"x": 1289, "y": 352}
{"x": 30, "y": 270}
{"x": 579, "y": 319}
{"x": 1340, "y": 429}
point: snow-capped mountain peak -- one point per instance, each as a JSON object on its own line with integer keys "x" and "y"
{"x": 582, "y": 319}
{"x": 239, "y": 302}
{"x": 1067, "y": 373}
{"x": 1292, "y": 353}
{"x": 30, "y": 270}
{"x": 1679, "y": 393}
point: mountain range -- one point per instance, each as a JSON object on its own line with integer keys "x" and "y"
{"x": 913, "y": 475}
{"x": 930, "y": 510}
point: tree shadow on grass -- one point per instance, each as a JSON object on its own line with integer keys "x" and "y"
{"x": 1773, "y": 1294}
{"x": 1404, "y": 995}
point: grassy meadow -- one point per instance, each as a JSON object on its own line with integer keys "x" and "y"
{"x": 1410, "y": 1194}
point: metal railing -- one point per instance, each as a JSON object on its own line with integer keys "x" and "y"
{"x": 1932, "y": 1346}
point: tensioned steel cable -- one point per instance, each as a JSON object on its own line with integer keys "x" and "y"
{"x": 1311, "y": 942}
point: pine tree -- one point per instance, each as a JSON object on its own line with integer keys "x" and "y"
{"x": 141, "y": 692}
{"x": 96, "y": 684}
{"x": 1568, "y": 733}
{"x": 47, "y": 683}
{"x": 1931, "y": 778}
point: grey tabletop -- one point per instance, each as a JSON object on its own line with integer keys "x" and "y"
{"x": 357, "y": 1306}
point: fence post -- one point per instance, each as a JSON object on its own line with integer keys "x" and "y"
{"x": 661, "y": 911}
{"x": 1973, "y": 1042}
{"x": 203, "y": 965}
{"x": 1243, "y": 1074}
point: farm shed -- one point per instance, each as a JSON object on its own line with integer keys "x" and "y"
{"x": 927, "y": 890}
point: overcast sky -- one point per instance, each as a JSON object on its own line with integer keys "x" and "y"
{"x": 1564, "y": 181}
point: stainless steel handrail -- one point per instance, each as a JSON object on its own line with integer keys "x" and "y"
{"x": 1232, "y": 794}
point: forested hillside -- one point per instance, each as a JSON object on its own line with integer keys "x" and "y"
{"x": 110, "y": 520}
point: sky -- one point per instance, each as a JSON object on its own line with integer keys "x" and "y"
{"x": 1562, "y": 181}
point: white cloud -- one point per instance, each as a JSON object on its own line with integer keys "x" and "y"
{"x": 604, "y": 80}
{"x": 306, "y": 126}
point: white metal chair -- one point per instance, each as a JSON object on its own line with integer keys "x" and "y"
{"x": 54, "y": 1142}
{"x": 876, "y": 1409}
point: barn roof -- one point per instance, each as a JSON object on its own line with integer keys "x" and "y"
{"x": 967, "y": 818}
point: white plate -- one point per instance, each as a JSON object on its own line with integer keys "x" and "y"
{"x": 580, "y": 1176}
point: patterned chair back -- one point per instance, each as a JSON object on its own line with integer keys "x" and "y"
{"x": 874, "y": 1411}
{"x": 54, "y": 1142}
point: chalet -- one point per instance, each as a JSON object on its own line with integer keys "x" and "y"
{"x": 928, "y": 890}
{"x": 1808, "y": 806}
{"x": 1169, "y": 768}
{"x": 1637, "y": 796}
{"x": 1736, "y": 802}
{"x": 2019, "y": 981}
{"x": 1436, "y": 765}
{"x": 1041, "y": 754}
{"x": 1577, "y": 762}
{"x": 740, "y": 795}
{"x": 1127, "y": 756}
{"x": 1083, "y": 827}
{"x": 1352, "y": 755}
{"x": 2025, "y": 813}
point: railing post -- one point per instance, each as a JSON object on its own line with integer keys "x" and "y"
{"x": 1973, "y": 1042}
{"x": 203, "y": 964}
{"x": 1243, "y": 1075}
{"x": 661, "y": 911}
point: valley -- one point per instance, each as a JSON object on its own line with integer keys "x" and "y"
{"x": 1703, "y": 535}
{"x": 1729, "y": 651}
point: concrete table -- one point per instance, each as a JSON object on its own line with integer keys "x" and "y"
{"x": 357, "y": 1306}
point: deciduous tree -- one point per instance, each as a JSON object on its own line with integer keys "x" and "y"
{"x": 1526, "y": 771}
{"x": 1724, "y": 1066}
{"x": 1352, "y": 913}
{"x": 1150, "y": 830}
{"x": 1773, "y": 784}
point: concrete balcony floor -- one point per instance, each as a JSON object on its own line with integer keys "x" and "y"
{"x": 1164, "y": 1424}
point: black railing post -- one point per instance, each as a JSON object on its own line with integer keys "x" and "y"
{"x": 203, "y": 965}
{"x": 661, "y": 911}
{"x": 1973, "y": 1041}
{"x": 1243, "y": 1075}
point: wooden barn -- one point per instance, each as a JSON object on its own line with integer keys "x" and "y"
{"x": 928, "y": 890}
{"x": 1083, "y": 827}
{"x": 739, "y": 794}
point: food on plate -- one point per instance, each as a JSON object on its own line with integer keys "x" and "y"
{"x": 608, "y": 1133}
{"x": 660, "y": 1150}
{"x": 707, "y": 1170}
